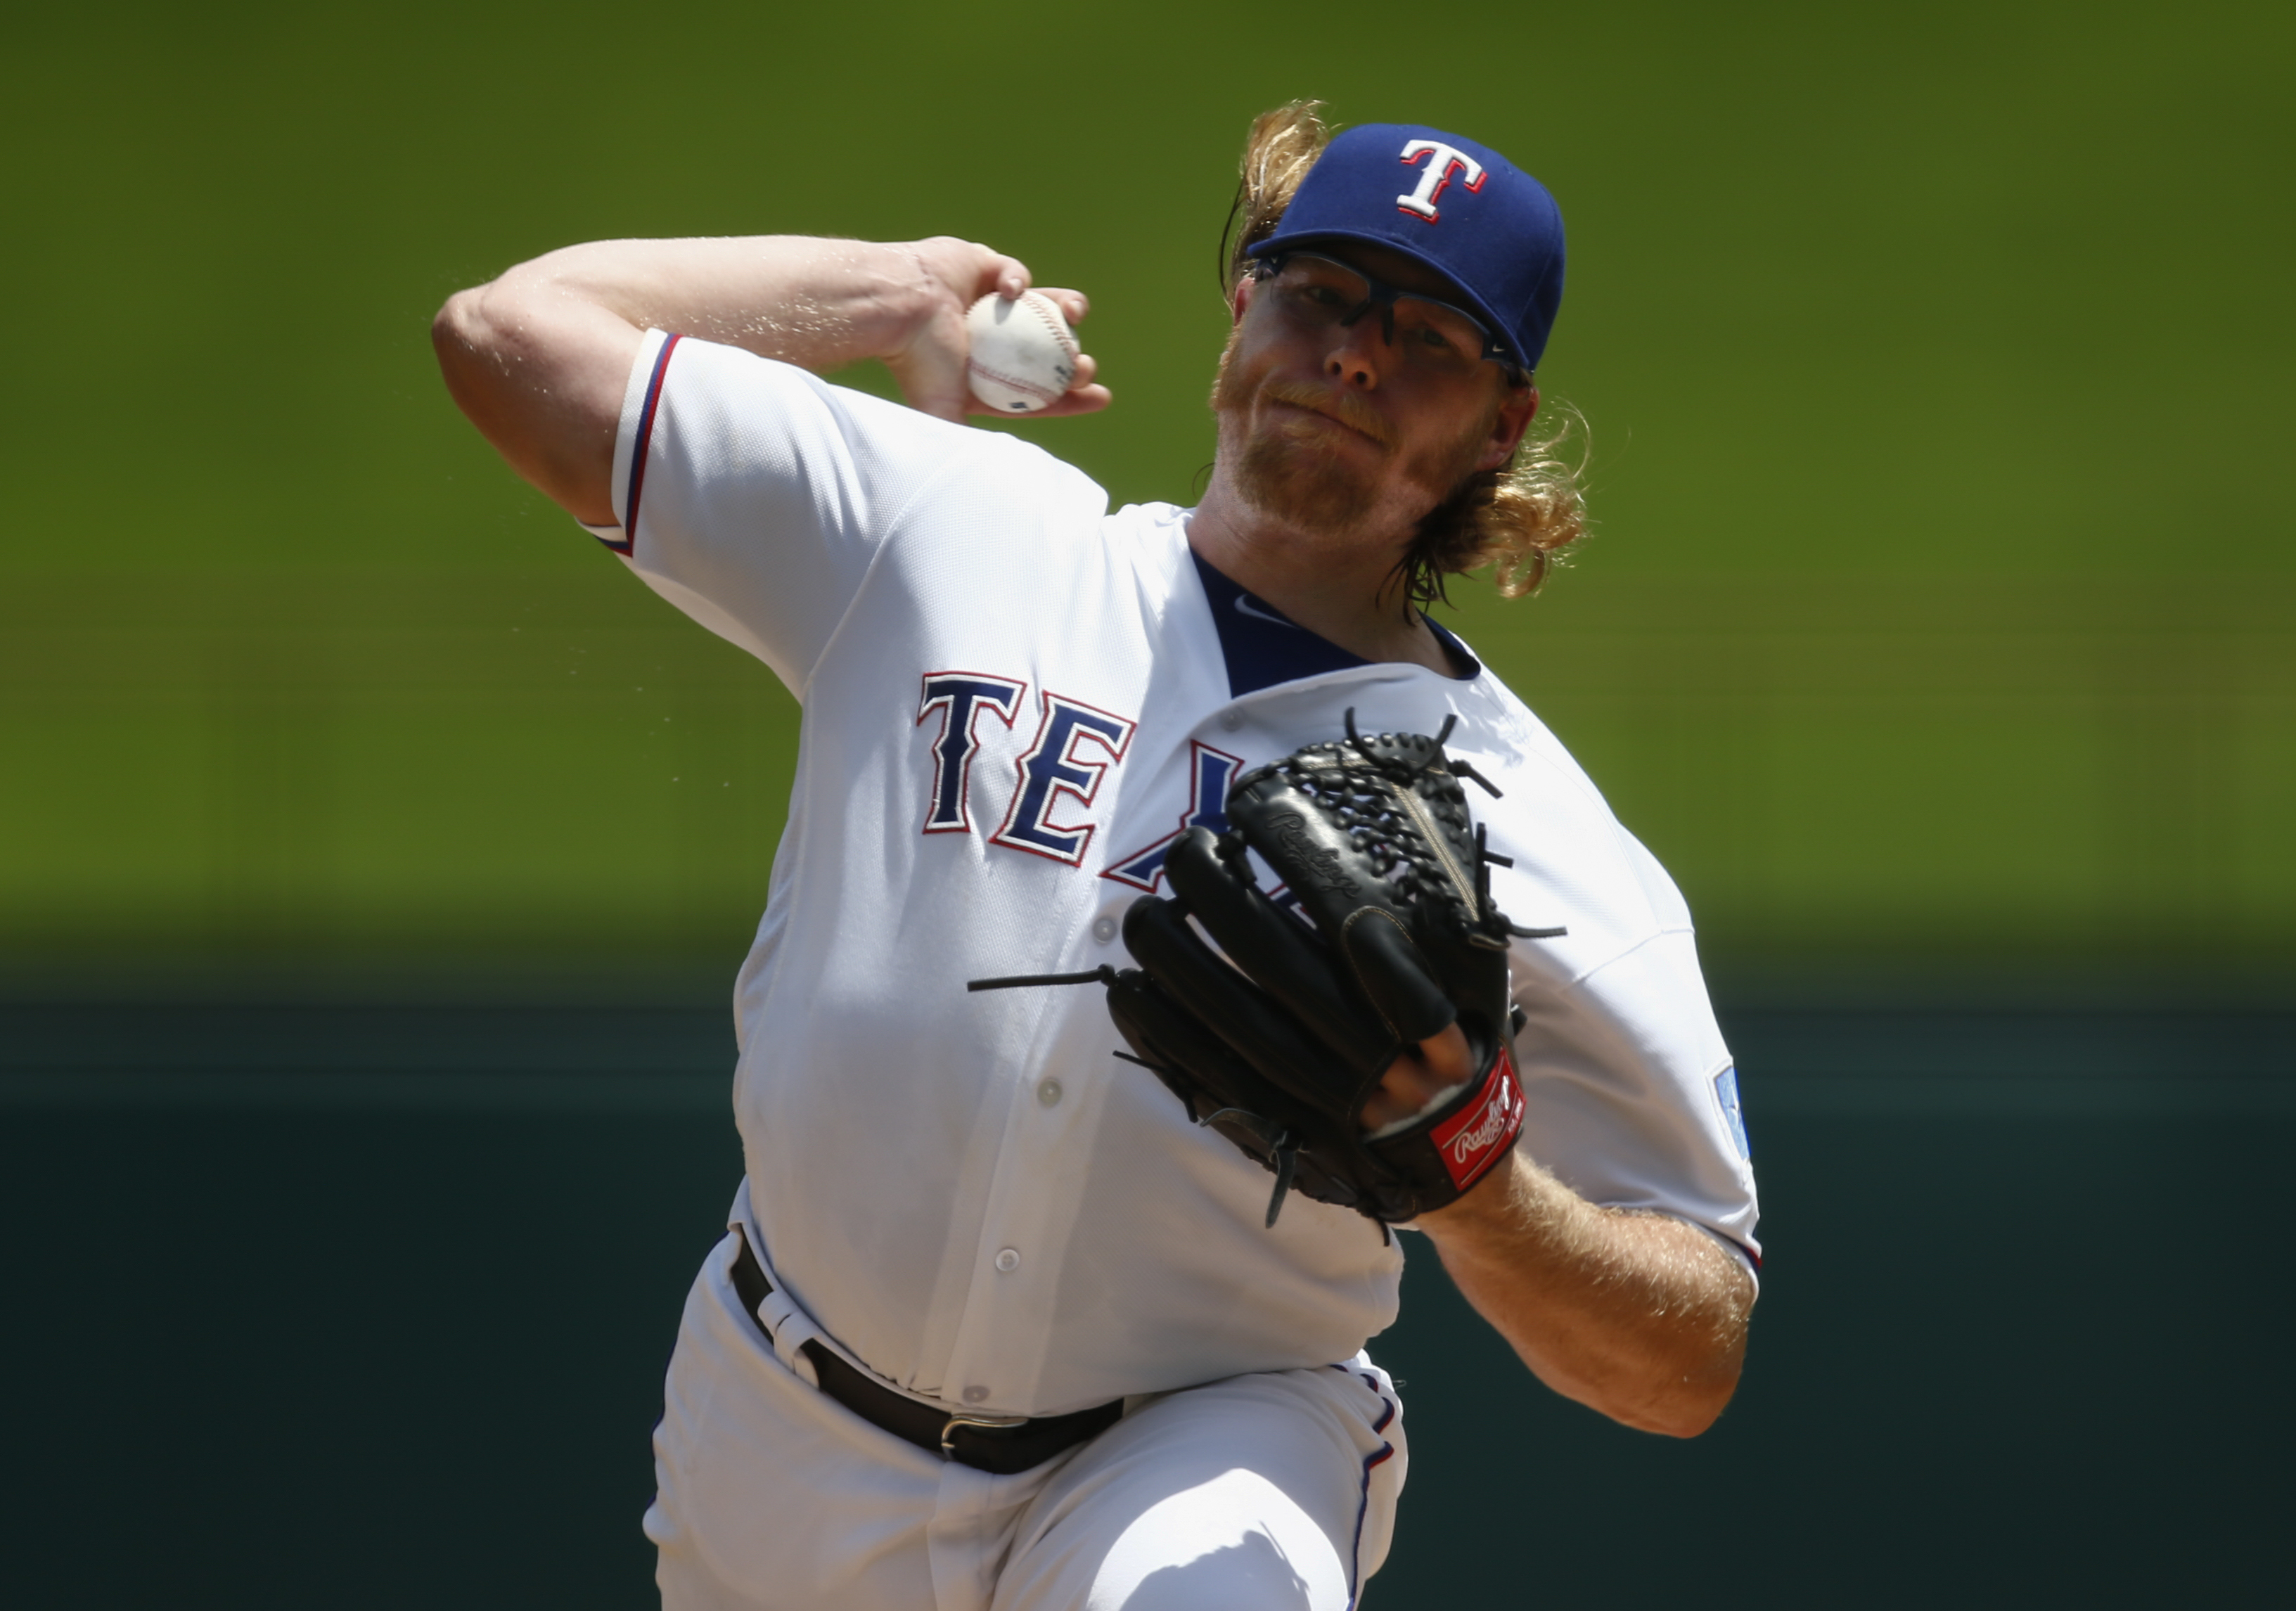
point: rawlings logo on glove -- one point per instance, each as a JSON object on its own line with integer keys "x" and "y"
{"x": 1479, "y": 1137}
{"x": 1307, "y": 857}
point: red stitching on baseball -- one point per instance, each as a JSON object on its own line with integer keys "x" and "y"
{"x": 1027, "y": 388}
{"x": 1054, "y": 321}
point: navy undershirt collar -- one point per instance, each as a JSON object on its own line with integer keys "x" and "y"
{"x": 1263, "y": 649}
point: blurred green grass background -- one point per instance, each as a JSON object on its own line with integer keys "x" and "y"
{"x": 1938, "y": 621}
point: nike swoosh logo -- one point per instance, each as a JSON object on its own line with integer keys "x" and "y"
{"x": 1245, "y": 606}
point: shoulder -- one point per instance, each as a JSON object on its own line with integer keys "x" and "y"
{"x": 732, "y": 412}
{"x": 1575, "y": 861}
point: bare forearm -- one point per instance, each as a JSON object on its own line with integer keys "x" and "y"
{"x": 1637, "y": 1315}
{"x": 816, "y": 303}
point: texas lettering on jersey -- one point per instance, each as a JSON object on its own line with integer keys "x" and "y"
{"x": 1076, "y": 744}
{"x": 1210, "y": 773}
{"x": 962, "y": 698}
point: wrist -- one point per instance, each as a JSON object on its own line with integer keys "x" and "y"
{"x": 904, "y": 297}
{"x": 1491, "y": 1205}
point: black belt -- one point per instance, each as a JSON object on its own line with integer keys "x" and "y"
{"x": 1000, "y": 1445}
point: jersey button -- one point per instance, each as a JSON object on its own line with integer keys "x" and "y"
{"x": 1008, "y": 1259}
{"x": 1230, "y": 720}
{"x": 976, "y": 1395}
{"x": 1048, "y": 1094}
{"x": 1104, "y": 929}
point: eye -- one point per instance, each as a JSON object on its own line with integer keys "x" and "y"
{"x": 1315, "y": 301}
{"x": 1441, "y": 350}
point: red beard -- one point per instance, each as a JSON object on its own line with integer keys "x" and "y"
{"x": 1307, "y": 477}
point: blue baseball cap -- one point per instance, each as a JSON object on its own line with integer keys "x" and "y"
{"x": 1441, "y": 199}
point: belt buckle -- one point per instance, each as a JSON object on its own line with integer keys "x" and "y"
{"x": 966, "y": 1419}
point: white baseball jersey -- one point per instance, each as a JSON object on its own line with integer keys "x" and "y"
{"x": 1014, "y": 702}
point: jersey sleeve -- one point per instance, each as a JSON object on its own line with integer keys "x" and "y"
{"x": 1630, "y": 1096}
{"x": 754, "y": 497}
{"x": 1630, "y": 1091}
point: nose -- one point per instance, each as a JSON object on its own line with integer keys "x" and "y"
{"x": 1358, "y": 354}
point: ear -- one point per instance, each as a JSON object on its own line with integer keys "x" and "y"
{"x": 1240, "y": 297}
{"x": 1517, "y": 408}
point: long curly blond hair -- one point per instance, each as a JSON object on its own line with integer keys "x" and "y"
{"x": 1517, "y": 519}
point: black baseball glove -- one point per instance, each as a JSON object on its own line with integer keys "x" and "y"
{"x": 1280, "y": 1052}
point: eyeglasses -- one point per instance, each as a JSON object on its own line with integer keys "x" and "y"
{"x": 1435, "y": 336}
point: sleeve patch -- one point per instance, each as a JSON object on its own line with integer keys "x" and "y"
{"x": 1726, "y": 1093}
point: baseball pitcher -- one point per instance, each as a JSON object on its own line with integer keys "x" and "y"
{"x": 1171, "y": 916}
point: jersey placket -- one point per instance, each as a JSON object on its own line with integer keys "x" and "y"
{"x": 1050, "y": 1122}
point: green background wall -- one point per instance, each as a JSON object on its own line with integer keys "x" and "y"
{"x": 1940, "y": 614}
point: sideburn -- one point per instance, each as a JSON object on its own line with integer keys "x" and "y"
{"x": 1449, "y": 539}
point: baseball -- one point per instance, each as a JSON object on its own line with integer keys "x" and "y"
{"x": 1023, "y": 354}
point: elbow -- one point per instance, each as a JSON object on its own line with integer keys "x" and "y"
{"x": 1687, "y": 1403}
{"x": 1678, "y": 1394}
{"x": 1687, "y": 1415}
{"x": 449, "y": 326}
{"x": 480, "y": 340}
{"x": 1683, "y": 1410}
{"x": 1674, "y": 1404}
{"x": 1697, "y": 1378}
{"x": 458, "y": 340}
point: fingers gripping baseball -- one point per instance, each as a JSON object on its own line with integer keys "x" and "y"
{"x": 950, "y": 275}
{"x": 930, "y": 365}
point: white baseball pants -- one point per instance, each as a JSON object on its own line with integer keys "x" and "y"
{"x": 1265, "y": 1492}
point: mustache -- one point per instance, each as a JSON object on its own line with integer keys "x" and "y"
{"x": 1348, "y": 409}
